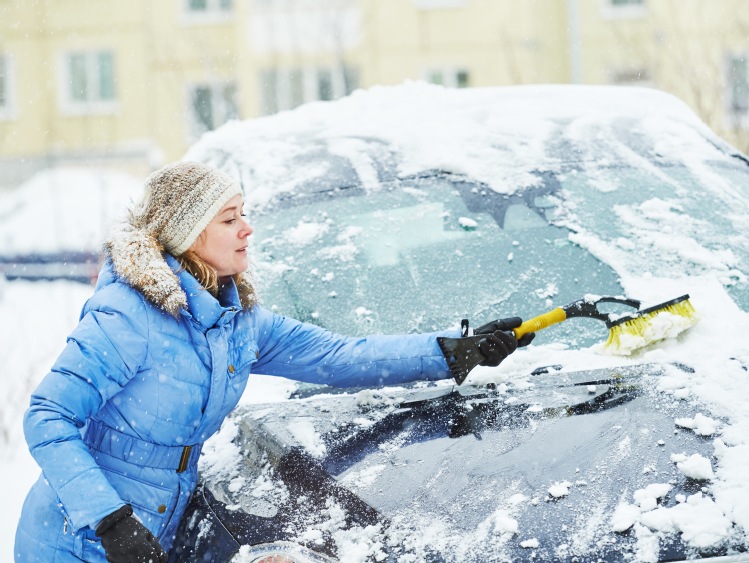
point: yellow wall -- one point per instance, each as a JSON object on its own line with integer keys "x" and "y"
{"x": 682, "y": 46}
{"x": 157, "y": 53}
{"x": 498, "y": 41}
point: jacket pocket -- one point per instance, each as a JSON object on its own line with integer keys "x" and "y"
{"x": 152, "y": 504}
{"x": 88, "y": 545}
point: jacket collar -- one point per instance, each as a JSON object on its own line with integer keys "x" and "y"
{"x": 140, "y": 261}
{"x": 201, "y": 305}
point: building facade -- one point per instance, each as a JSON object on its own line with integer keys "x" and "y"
{"x": 133, "y": 84}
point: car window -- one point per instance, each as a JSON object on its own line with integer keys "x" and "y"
{"x": 421, "y": 254}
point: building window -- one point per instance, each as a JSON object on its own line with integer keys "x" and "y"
{"x": 283, "y": 89}
{"x": 738, "y": 87}
{"x": 324, "y": 84}
{"x": 207, "y": 11}
{"x": 89, "y": 82}
{"x": 631, "y": 77}
{"x": 617, "y": 9}
{"x": 205, "y": 6}
{"x": 449, "y": 77}
{"x": 7, "y": 87}
{"x": 211, "y": 105}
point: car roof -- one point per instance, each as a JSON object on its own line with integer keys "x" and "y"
{"x": 499, "y": 136}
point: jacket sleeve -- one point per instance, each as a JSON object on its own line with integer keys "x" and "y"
{"x": 306, "y": 352}
{"x": 102, "y": 354}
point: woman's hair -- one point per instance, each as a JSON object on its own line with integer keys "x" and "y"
{"x": 201, "y": 271}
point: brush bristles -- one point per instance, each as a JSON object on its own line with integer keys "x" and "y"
{"x": 646, "y": 329}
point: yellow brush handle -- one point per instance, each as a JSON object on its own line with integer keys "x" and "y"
{"x": 542, "y": 321}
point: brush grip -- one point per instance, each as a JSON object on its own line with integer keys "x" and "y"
{"x": 542, "y": 321}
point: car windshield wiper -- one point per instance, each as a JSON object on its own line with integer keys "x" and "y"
{"x": 456, "y": 412}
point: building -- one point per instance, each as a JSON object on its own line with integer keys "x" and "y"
{"x": 132, "y": 84}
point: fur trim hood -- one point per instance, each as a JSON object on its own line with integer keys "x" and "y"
{"x": 138, "y": 259}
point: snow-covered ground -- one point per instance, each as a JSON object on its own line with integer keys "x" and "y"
{"x": 64, "y": 209}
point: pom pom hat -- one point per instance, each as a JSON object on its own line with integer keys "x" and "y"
{"x": 179, "y": 202}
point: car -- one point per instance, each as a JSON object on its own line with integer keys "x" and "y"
{"x": 53, "y": 224}
{"x": 410, "y": 208}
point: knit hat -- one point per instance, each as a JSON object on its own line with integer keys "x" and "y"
{"x": 179, "y": 202}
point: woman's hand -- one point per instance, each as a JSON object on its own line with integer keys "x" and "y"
{"x": 126, "y": 540}
{"x": 490, "y": 344}
{"x": 496, "y": 346}
{"x": 506, "y": 325}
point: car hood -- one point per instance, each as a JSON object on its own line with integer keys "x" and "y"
{"x": 587, "y": 465}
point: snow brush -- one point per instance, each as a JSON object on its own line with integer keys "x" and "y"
{"x": 627, "y": 332}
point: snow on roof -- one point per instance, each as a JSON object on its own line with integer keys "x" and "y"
{"x": 494, "y": 135}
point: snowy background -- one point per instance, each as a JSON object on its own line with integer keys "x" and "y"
{"x": 36, "y": 317}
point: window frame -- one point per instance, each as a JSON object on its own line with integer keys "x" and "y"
{"x": 91, "y": 105}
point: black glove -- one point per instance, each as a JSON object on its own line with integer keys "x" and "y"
{"x": 126, "y": 540}
{"x": 496, "y": 346}
{"x": 505, "y": 325}
{"x": 490, "y": 344}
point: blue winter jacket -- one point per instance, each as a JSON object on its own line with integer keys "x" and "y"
{"x": 123, "y": 414}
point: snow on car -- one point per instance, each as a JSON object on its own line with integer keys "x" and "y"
{"x": 404, "y": 209}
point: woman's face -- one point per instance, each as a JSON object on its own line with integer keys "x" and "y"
{"x": 223, "y": 243}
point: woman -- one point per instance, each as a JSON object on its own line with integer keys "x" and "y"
{"x": 160, "y": 357}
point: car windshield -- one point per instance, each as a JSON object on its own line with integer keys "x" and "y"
{"x": 625, "y": 211}
{"x": 419, "y": 254}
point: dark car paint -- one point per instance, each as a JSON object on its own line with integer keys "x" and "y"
{"x": 493, "y": 431}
